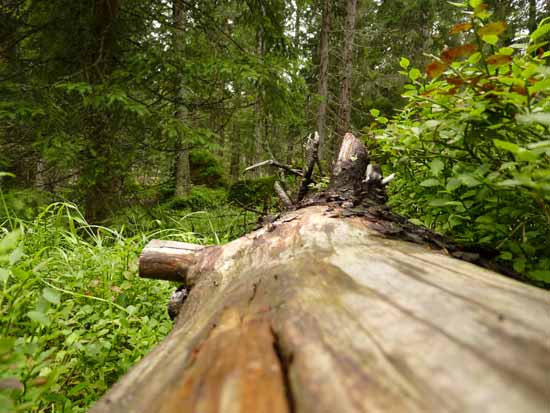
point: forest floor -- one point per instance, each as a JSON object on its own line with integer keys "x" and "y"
{"x": 74, "y": 313}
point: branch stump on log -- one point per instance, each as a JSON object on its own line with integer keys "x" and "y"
{"x": 320, "y": 312}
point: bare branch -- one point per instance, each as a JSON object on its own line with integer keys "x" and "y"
{"x": 273, "y": 162}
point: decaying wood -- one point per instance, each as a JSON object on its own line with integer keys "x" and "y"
{"x": 283, "y": 196}
{"x": 320, "y": 312}
{"x": 167, "y": 260}
{"x": 312, "y": 158}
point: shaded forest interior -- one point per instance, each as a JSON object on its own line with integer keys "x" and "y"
{"x": 127, "y": 120}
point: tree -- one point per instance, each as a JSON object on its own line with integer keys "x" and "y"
{"x": 344, "y": 108}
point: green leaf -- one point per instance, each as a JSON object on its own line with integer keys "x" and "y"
{"x": 453, "y": 183}
{"x": 437, "y": 166}
{"x": 538, "y": 117}
{"x": 404, "y": 62}
{"x": 444, "y": 202}
{"x": 4, "y": 274}
{"x": 491, "y": 39}
{"x": 39, "y": 317}
{"x": 469, "y": 180}
{"x": 474, "y": 4}
{"x": 16, "y": 255}
{"x": 9, "y": 242}
{"x": 7, "y": 174}
{"x": 540, "y": 31}
{"x": 430, "y": 182}
{"x": 542, "y": 275}
{"x": 414, "y": 74}
{"x": 507, "y": 146}
{"x": 6, "y": 344}
{"x": 51, "y": 295}
{"x": 375, "y": 112}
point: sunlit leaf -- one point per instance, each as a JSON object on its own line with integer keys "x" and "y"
{"x": 404, "y": 62}
{"x": 491, "y": 39}
{"x": 51, "y": 295}
{"x": 540, "y": 31}
{"x": 507, "y": 146}
{"x": 539, "y": 117}
{"x": 430, "y": 182}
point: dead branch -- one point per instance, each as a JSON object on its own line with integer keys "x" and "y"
{"x": 283, "y": 196}
{"x": 273, "y": 162}
{"x": 312, "y": 155}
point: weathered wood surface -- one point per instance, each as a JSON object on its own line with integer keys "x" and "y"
{"x": 322, "y": 314}
{"x": 168, "y": 260}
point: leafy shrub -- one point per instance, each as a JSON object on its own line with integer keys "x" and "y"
{"x": 200, "y": 198}
{"x": 252, "y": 193}
{"x": 74, "y": 315}
{"x": 472, "y": 147}
{"x": 206, "y": 169}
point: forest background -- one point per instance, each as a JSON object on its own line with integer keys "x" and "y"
{"x": 124, "y": 120}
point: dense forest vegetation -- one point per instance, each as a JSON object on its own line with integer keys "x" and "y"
{"x": 124, "y": 120}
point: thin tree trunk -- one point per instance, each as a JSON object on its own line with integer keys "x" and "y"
{"x": 532, "y": 16}
{"x": 323, "y": 75}
{"x": 344, "y": 109}
{"x": 182, "y": 170}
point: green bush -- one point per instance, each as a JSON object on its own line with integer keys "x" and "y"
{"x": 472, "y": 147}
{"x": 252, "y": 193}
{"x": 200, "y": 198}
{"x": 206, "y": 169}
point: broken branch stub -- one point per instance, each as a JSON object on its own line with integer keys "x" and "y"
{"x": 168, "y": 260}
{"x": 350, "y": 166}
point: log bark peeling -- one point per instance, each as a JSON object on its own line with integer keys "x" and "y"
{"x": 319, "y": 312}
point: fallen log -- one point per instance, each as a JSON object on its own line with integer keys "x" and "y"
{"x": 320, "y": 311}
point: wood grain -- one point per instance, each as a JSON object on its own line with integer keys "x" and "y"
{"x": 323, "y": 314}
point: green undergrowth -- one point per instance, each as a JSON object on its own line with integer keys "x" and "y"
{"x": 471, "y": 150}
{"x": 74, "y": 315}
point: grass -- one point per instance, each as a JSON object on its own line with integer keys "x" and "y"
{"x": 74, "y": 315}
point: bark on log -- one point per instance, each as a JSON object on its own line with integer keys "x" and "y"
{"x": 318, "y": 312}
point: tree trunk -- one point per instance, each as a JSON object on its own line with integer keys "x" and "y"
{"x": 100, "y": 169}
{"x": 344, "y": 109}
{"x": 317, "y": 312}
{"x": 182, "y": 170}
{"x": 259, "y": 126}
{"x": 532, "y": 25}
{"x": 323, "y": 75}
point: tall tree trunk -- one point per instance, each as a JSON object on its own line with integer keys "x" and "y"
{"x": 236, "y": 148}
{"x": 322, "y": 90}
{"x": 100, "y": 167}
{"x": 532, "y": 26}
{"x": 182, "y": 170}
{"x": 344, "y": 109}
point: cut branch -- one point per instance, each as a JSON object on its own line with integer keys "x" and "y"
{"x": 168, "y": 260}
